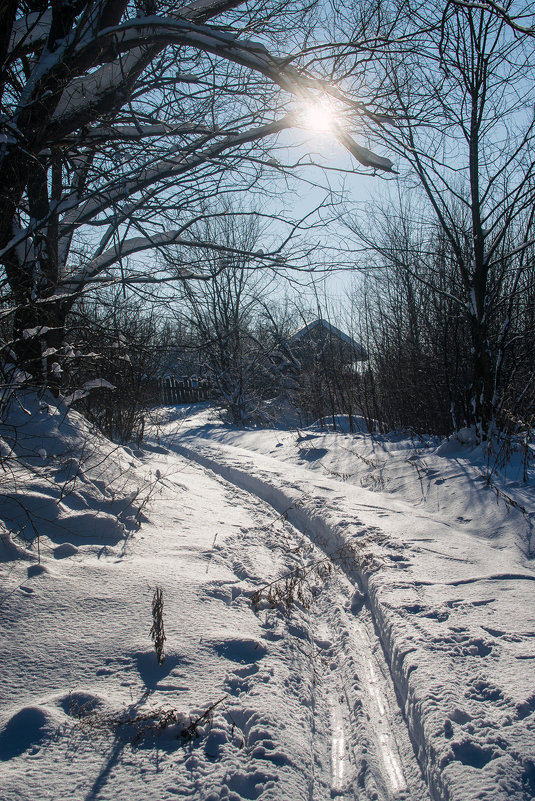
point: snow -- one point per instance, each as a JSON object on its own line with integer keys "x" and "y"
{"x": 98, "y": 383}
{"x": 83, "y": 92}
{"x": 388, "y": 654}
{"x": 31, "y": 29}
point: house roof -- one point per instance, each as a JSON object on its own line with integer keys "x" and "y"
{"x": 321, "y": 326}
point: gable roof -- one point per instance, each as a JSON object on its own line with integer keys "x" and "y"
{"x": 321, "y": 327}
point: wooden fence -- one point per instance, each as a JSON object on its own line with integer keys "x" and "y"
{"x": 183, "y": 390}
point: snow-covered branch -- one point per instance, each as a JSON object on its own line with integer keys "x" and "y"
{"x": 172, "y": 166}
{"x": 499, "y": 11}
{"x": 164, "y": 239}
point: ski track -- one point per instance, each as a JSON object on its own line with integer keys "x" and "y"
{"x": 369, "y": 756}
{"x": 339, "y": 756}
{"x": 400, "y": 660}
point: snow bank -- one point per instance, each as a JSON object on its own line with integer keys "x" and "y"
{"x": 62, "y": 480}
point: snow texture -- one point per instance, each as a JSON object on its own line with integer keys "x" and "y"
{"x": 400, "y": 665}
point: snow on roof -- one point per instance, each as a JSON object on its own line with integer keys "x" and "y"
{"x": 360, "y": 353}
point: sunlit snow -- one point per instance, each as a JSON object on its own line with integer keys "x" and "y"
{"x": 404, "y": 671}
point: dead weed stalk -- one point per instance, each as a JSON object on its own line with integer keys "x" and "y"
{"x": 157, "y": 631}
{"x": 297, "y": 585}
{"x": 146, "y": 725}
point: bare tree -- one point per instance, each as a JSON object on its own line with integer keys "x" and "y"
{"x": 418, "y": 343}
{"x": 124, "y": 342}
{"x": 222, "y": 313}
{"x": 460, "y": 82}
{"x": 113, "y": 115}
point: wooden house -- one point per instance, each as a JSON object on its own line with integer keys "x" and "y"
{"x": 320, "y": 340}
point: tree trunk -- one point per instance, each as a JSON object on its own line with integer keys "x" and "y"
{"x": 482, "y": 385}
{"x": 36, "y": 329}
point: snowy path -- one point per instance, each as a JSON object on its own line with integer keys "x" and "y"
{"x": 296, "y": 696}
{"x": 357, "y": 723}
{"x": 399, "y": 638}
{"x": 308, "y": 709}
{"x": 453, "y": 608}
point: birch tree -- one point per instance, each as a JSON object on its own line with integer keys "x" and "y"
{"x": 120, "y": 122}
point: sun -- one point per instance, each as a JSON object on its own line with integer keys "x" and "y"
{"x": 319, "y": 115}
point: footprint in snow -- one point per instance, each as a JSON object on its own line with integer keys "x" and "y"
{"x": 25, "y": 731}
{"x": 239, "y": 681}
{"x": 36, "y": 570}
{"x": 244, "y": 650}
{"x": 472, "y": 754}
{"x": 460, "y": 644}
{"x": 65, "y": 550}
{"x": 433, "y": 614}
{"x": 480, "y": 689}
